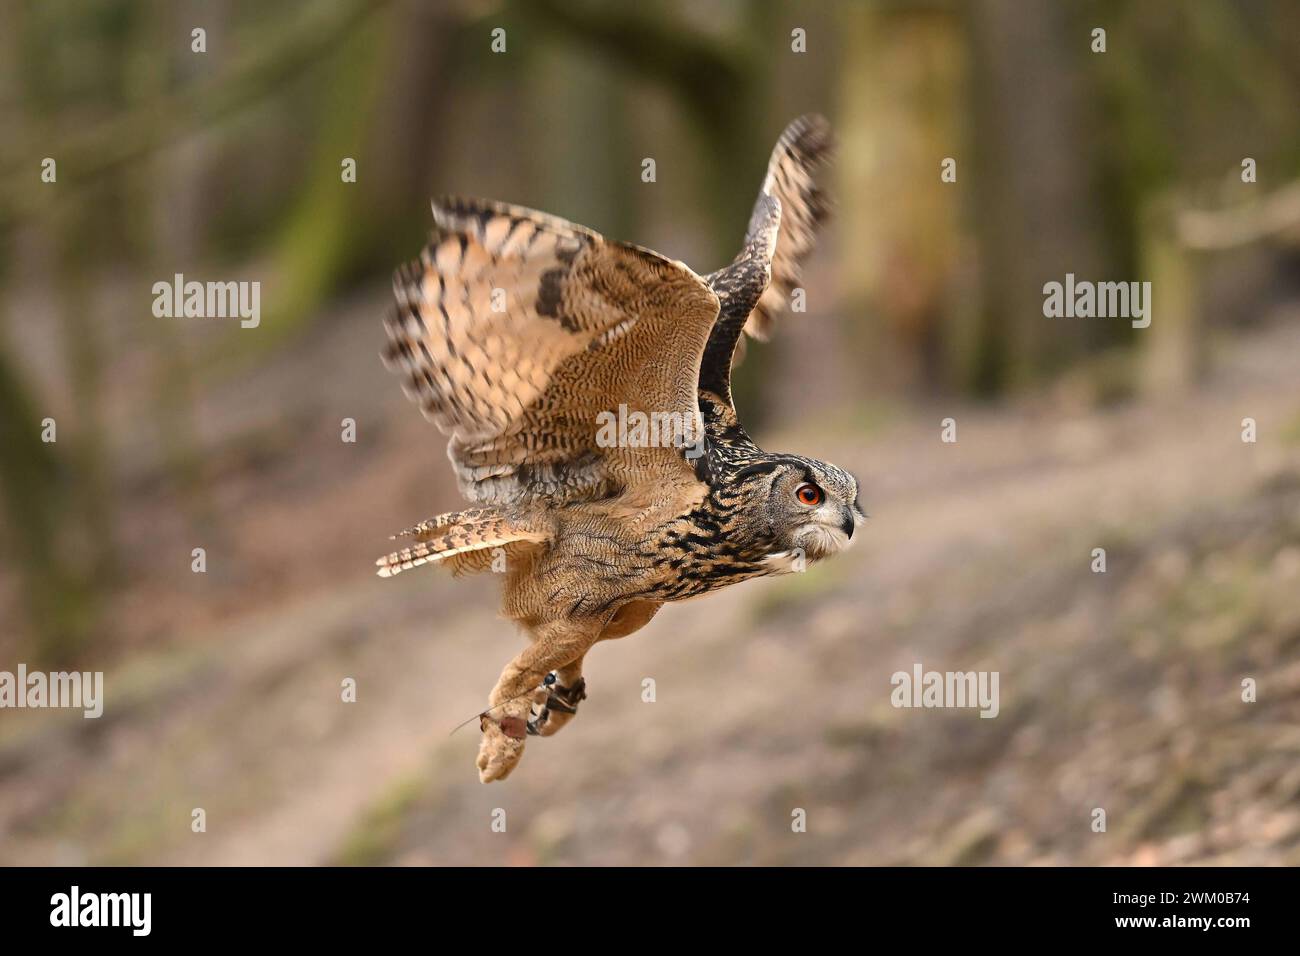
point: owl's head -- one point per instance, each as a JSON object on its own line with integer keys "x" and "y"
{"x": 808, "y": 507}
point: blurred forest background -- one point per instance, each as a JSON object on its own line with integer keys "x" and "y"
{"x": 1119, "y": 690}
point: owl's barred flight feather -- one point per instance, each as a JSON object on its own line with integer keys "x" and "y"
{"x": 454, "y": 534}
{"x": 516, "y": 332}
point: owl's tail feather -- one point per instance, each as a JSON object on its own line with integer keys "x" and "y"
{"x": 458, "y": 532}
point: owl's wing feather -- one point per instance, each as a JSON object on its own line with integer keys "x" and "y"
{"x": 756, "y": 287}
{"x": 804, "y": 147}
{"x": 516, "y": 330}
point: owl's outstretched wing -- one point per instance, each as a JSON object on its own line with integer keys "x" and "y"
{"x": 757, "y": 286}
{"x": 516, "y": 330}
{"x": 804, "y": 147}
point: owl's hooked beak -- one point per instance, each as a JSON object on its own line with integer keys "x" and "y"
{"x": 822, "y": 539}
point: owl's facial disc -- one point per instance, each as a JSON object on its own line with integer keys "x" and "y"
{"x": 818, "y": 503}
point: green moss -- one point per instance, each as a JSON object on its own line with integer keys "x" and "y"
{"x": 375, "y": 838}
{"x": 1290, "y": 431}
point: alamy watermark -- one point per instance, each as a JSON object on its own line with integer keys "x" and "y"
{"x": 1102, "y": 300}
{"x": 37, "y": 689}
{"x": 922, "y": 688}
{"x": 130, "y": 910}
{"x": 208, "y": 300}
{"x": 638, "y": 429}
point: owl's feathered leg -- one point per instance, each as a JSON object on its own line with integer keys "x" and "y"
{"x": 556, "y": 645}
{"x": 559, "y": 702}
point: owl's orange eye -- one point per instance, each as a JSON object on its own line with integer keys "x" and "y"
{"x": 809, "y": 495}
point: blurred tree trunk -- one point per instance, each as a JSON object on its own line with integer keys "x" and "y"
{"x": 1033, "y": 212}
{"x": 409, "y": 122}
{"x": 387, "y": 93}
{"x": 87, "y": 356}
{"x": 718, "y": 88}
{"x": 176, "y": 213}
{"x": 60, "y": 602}
{"x": 713, "y": 81}
{"x": 1174, "y": 351}
{"x": 586, "y": 149}
{"x": 900, "y": 105}
{"x": 39, "y": 503}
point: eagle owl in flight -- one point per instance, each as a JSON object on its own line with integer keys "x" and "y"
{"x": 518, "y": 334}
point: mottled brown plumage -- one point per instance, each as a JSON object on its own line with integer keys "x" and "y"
{"x": 519, "y": 334}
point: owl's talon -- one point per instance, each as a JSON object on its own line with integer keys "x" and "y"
{"x": 568, "y": 697}
{"x": 560, "y": 707}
